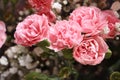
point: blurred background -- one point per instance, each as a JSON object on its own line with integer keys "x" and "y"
{"x": 16, "y": 61}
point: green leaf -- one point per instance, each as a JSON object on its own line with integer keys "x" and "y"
{"x": 108, "y": 54}
{"x": 55, "y": 78}
{"x": 44, "y": 44}
{"x": 39, "y": 76}
{"x": 65, "y": 72}
{"x": 115, "y": 76}
{"x": 68, "y": 53}
{"x": 35, "y": 76}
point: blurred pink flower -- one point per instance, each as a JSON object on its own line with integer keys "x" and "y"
{"x": 91, "y": 51}
{"x": 2, "y": 33}
{"x": 41, "y": 5}
{"x": 64, "y": 34}
{"x": 91, "y": 19}
{"x": 32, "y": 30}
{"x": 112, "y": 20}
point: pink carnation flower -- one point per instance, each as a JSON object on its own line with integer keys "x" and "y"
{"x": 2, "y": 33}
{"x": 64, "y": 34}
{"x": 41, "y": 5}
{"x": 32, "y": 30}
{"x": 112, "y": 20}
{"x": 91, "y": 19}
{"x": 91, "y": 51}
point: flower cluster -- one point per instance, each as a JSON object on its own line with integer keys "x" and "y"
{"x": 85, "y": 31}
{"x": 2, "y": 33}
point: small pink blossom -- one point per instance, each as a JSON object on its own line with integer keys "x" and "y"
{"x": 91, "y": 51}
{"x": 91, "y": 19}
{"x": 112, "y": 20}
{"x": 2, "y": 33}
{"x": 64, "y": 34}
{"x": 41, "y": 5}
{"x": 32, "y": 30}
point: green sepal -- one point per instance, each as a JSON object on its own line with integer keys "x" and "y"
{"x": 108, "y": 54}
